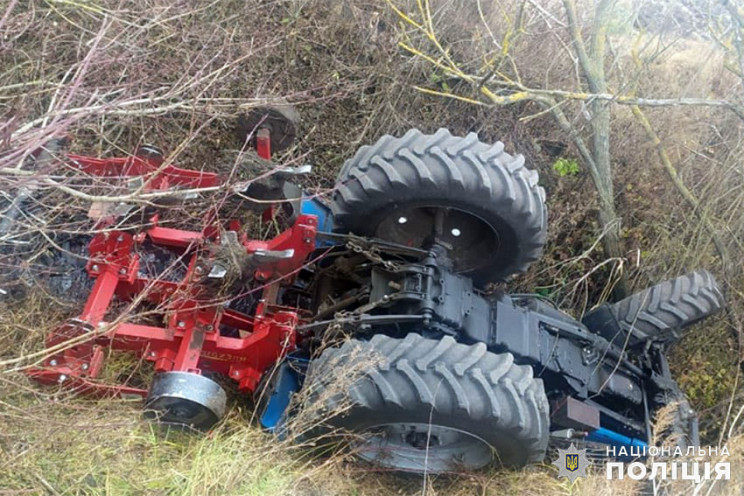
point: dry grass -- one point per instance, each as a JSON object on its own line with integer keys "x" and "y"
{"x": 52, "y": 442}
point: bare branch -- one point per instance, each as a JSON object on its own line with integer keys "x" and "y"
{"x": 680, "y": 185}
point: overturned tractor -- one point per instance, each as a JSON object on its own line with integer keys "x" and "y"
{"x": 398, "y": 265}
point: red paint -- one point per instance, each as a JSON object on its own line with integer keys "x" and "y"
{"x": 263, "y": 143}
{"x": 154, "y": 175}
{"x": 189, "y": 337}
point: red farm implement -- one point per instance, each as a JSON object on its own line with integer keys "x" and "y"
{"x": 197, "y": 332}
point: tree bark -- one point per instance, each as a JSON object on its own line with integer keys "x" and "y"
{"x": 592, "y": 62}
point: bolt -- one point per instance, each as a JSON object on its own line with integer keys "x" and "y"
{"x": 210, "y": 327}
{"x": 122, "y": 271}
{"x": 101, "y": 325}
{"x": 181, "y": 324}
{"x": 307, "y": 241}
{"x": 62, "y": 378}
{"x": 85, "y": 366}
{"x": 198, "y": 269}
{"x": 120, "y": 238}
{"x": 152, "y": 353}
{"x": 94, "y": 268}
{"x": 53, "y": 363}
{"x": 236, "y": 373}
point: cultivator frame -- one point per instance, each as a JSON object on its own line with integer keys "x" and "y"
{"x": 190, "y": 339}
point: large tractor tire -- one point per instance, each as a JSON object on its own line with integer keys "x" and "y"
{"x": 425, "y": 405}
{"x": 472, "y": 197}
{"x": 659, "y": 312}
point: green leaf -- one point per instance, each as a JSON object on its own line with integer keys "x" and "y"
{"x": 566, "y": 167}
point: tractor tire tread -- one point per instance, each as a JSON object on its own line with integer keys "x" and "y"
{"x": 669, "y": 306}
{"x": 457, "y": 170}
{"x": 487, "y": 392}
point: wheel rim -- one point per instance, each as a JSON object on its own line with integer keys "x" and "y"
{"x": 470, "y": 241}
{"x": 282, "y": 121}
{"x": 180, "y": 412}
{"x": 418, "y": 447}
{"x": 185, "y": 399}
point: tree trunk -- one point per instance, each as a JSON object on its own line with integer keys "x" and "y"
{"x": 608, "y": 218}
{"x": 591, "y": 61}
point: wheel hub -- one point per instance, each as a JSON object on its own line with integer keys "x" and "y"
{"x": 418, "y": 447}
{"x": 471, "y": 242}
{"x": 421, "y": 440}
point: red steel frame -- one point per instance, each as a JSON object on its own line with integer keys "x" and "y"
{"x": 189, "y": 339}
{"x": 155, "y": 174}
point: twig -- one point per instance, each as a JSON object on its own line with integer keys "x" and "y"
{"x": 681, "y": 187}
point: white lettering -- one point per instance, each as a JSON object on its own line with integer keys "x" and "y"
{"x": 722, "y": 470}
{"x": 618, "y": 466}
{"x": 636, "y": 471}
{"x": 660, "y": 467}
{"x": 706, "y": 474}
{"x": 694, "y": 476}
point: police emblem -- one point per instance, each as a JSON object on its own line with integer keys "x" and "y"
{"x": 572, "y": 463}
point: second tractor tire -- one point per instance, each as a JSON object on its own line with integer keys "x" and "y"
{"x": 658, "y": 312}
{"x": 494, "y": 216}
{"x": 428, "y": 405}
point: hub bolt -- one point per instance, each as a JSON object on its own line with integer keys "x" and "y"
{"x": 53, "y": 363}
{"x": 62, "y": 378}
{"x": 94, "y": 268}
{"x": 85, "y": 366}
{"x": 181, "y": 324}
